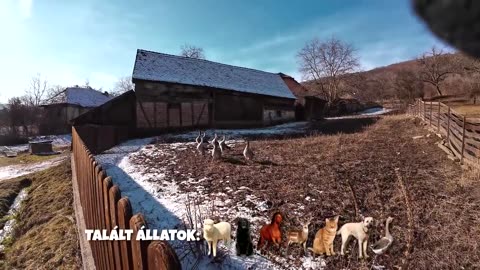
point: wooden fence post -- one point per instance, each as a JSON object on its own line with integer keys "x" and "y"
{"x": 101, "y": 211}
{"x": 463, "y": 137}
{"x": 124, "y": 214}
{"x": 107, "y": 183}
{"x": 162, "y": 256}
{"x": 139, "y": 248}
{"x": 113, "y": 198}
{"x": 438, "y": 118}
{"x": 424, "y": 111}
{"x": 448, "y": 126}
{"x": 431, "y": 109}
{"x": 94, "y": 208}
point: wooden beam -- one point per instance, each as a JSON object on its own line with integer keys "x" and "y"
{"x": 463, "y": 138}
{"x": 448, "y": 127}
{"x": 155, "y": 114}
{"x": 424, "y": 111}
{"x": 145, "y": 114}
{"x": 431, "y": 109}
{"x": 201, "y": 113}
{"x": 438, "y": 118}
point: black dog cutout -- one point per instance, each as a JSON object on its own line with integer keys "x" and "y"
{"x": 244, "y": 241}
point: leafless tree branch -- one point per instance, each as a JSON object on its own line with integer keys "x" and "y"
{"x": 326, "y": 62}
{"x": 192, "y": 51}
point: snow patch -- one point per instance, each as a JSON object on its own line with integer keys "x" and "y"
{"x": 12, "y": 171}
{"x": 284, "y": 129}
{"x": 9, "y": 225}
{"x": 57, "y": 141}
{"x": 153, "y": 192}
{"x": 369, "y": 112}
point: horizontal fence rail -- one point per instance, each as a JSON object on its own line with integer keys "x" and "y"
{"x": 462, "y": 133}
{"x": 105, "y": 208}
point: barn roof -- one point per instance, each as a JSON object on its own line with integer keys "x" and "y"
{"x": 160, "y": 67}
{"x": 81, "y": 96}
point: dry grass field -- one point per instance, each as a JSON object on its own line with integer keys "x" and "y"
{"x": 373, "y": 168}
{"x": 468, "y": 110}
{"x": 24, "y": 158}
{"x": 46, "y": 235}
{"x": 9, "y": 189}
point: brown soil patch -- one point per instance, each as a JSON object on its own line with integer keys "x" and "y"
{"x": 435, "y": 221}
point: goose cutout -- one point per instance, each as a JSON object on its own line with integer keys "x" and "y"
{"x": 247, "y": 152}
{"x": 385, "y": 242}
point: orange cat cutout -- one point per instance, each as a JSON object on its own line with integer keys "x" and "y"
{"x": 323, "y": 242}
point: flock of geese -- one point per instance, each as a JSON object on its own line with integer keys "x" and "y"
{"x": 219, "y": 146}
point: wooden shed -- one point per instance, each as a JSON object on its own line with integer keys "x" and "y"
{"x": 181, "y": 92}
{"x": 314, "y": 108}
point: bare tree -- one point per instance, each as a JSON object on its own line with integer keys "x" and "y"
{"x": 192, "y": 51}
{"x": 325, "y": 63}
{"x": 54, "y": 94}
{"x": 123, "y": 85}
{"x": 436, "y": 66}
{"x": 21, "y": 115}
{"x": 408, "y": 86}
{"x": 36, "y": 92}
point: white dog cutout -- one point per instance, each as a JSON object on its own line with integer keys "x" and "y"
{"x": 358, "y": 230}
{"x": 214, "y": 232}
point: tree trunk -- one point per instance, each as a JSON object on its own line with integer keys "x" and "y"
{"x": 438, "y": 90}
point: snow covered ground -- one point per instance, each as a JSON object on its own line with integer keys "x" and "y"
{"x": 7, "y": 229}
{"x": 142, "y": 170}
{"x": 365, "y": 113}
{"x": 284, "y": 129}
{"x": 12, "y": 171}
{"x": 57, "y": 141}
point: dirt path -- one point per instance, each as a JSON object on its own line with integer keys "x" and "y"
{"x": 12, "y": 171}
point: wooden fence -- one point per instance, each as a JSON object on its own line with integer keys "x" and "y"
{"x": 104, "y": 208}
{"x": 462, "y": 133}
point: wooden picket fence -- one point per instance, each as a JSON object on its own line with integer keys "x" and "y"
{"x": 462, "y": 133}
{"x": 104, "y": 208}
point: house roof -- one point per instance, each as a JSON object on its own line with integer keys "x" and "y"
{"x": 160, "y": 67}
{"x": 297, "y": 88}
{"x": 81, "y": 96}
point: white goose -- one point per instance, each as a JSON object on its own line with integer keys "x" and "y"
{"x": 247, "y": 152}
{"x": 197, "y": 140}
{"x": 216, "y": 152}
{"x": 385, "y": 242}
{"x": 214, "y": 141}
{"x": 223, "y": 145}
{"x": 201, "y": 146}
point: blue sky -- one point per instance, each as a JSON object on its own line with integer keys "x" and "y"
{"x": 70, "y": 41}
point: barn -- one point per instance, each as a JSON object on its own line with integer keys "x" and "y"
{"x": 308, "y": 105}
{"x": 180, "y": 92}
{"x": 61, "y": 109}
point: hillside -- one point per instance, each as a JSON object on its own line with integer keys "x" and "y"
{"x": 454, "y": 85}
{"x": 382, "y": 83}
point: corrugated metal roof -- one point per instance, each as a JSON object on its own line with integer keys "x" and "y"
{"x": 153, "y": 66}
